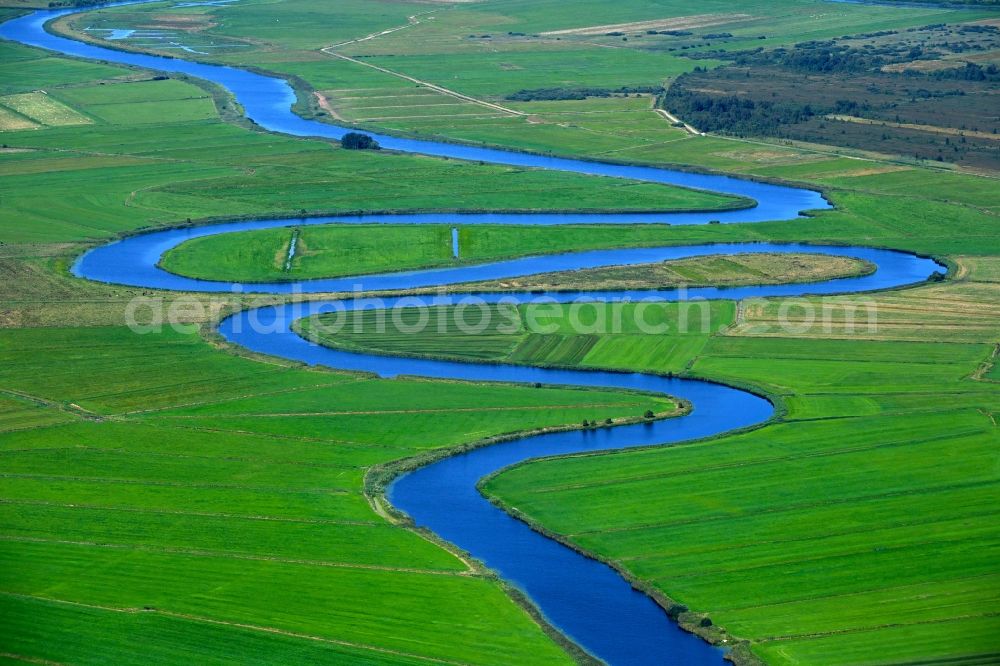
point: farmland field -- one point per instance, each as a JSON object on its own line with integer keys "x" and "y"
{"x": 329, "y": 251}
{"x": 169, "y": 496}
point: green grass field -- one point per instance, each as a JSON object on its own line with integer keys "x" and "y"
{"x": 330, "y": 251}
{"x": 162, "y": 480}
{"x": 319, "y": 252}
{"x": 711, "y": 270}
{"x": 183, "y": 163}
{"x": 490, "y": 51}
{"x": 877, "y": 487}
{"x": 538, "y": 334}
{"x": 165, "y": 499}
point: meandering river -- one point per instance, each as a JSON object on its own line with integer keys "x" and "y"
{"x": 585, "y": 599}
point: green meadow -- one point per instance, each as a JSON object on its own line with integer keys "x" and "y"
{"x": 319, "y": 252}
{"x": 161, "y": 494}
{"x": 155, "y": 152}
{"x": 861, "y": 521}
{"x": 536, "y": 334}
{"x": 490, "y": 51}
{"x": 153, "y": 483}
{"x": 168, "y": 498}
{"x": 331, "y": 250}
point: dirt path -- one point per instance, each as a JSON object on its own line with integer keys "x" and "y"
{"x": 411, "y": 21}
{"x": 426, "y": 84}
{"x": 674, "y": 119}
{"x": 324, "y": 104}
{"x": 239, "y": 625}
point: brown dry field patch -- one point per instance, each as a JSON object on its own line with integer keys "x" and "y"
{"x": 675, "y": 23}
{"x": 770, "y": 156}
{"x": 963, "y": 310}
{"x": 188, "y": 22}
{"x": 935, "y": 129}
{"x": 924, "y": 65}
{"x": 870, "y": 171}
{"x": 12, "y": 122}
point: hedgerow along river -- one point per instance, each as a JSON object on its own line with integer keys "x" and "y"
{"x": 585, "y": 599}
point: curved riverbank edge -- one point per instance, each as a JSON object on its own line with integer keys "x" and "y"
{"x": 133, "y": 260}
{"x": 862, "y": 268}
{"x": 378, "y": 478}
{"x": 723, "y": 409}
{"x": 306, "y": 107}
{"x": 35, "y": 26}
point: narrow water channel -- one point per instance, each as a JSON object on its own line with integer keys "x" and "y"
{"x": 586, "y": 600}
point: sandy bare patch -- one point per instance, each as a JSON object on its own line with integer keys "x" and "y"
{"x": 770, "y": 156}
{"x": 953, "y": 131}
{"x": 870, "y": 171}
{"x": 716, "y": 91}
{"x": 38, "y": 108}
{"x": 12, "y": 122}
{"x": 675, "y": 23}
{"x": 924, "y": 66}
{"x": 187, "y": 22}
{"x": 990, "y": 21}
{"x": 324, "y": 103}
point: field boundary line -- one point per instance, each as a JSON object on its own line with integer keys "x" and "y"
{"x": 266, "y": 435}
{"x": 227, "y": 399}
{"x": 934, "y": 129}
{"x": 176, "y": 484}
{"x": 824, "y": 535}
{"x": 324, "y": 104}
{"x": 29, "y": 660}
{"x": 223, "y": 555}
{"x": 68, "y": 408}
{"x": 427, "y": 84}
{"x": 826, "y": 558}
{"x": 675, "y": 120}
{"x": 880, "y": 627}
{"x": 440, "y": 410}
{"x": 843, "y": 595}
{"x": 990, "y": 416}
{"x": 195, "y": 514}
{"x": 411, "y": 21}
{"x": 96, "y": 450}
{"x": 979, "y": 374}
{"x": 238, "y": 625}
{"x": 903, "y": 442}
{"x": 789, "y": 508}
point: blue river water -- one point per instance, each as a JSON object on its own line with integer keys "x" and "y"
{"x": 267, "y": 101}
{"x": 585, "y": 599}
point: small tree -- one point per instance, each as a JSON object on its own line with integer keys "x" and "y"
{"x": 649, "y": 414}
{"x": 358, "y": 141}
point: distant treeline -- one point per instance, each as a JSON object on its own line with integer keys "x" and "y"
{"x": 736, "y": 114}
{"x": 901, "y": 92}
{"x": 545, "y": 94}
{"x": 828, "y": 57}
